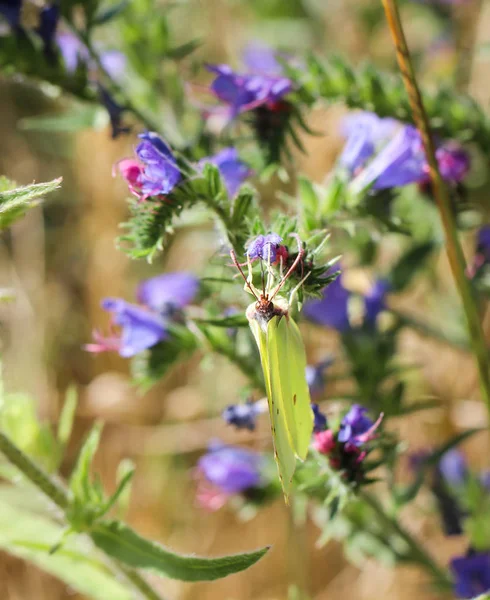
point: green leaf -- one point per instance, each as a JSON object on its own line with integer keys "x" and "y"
{"x": 409, "y": 263}
{"x": 184, "y": 50}
{"x": 15, "y": 202}
{"x": 122, "y": 543}
{"x": 30, "y": 537}
{"x": 110, "y": 13}
{"x": 80, "y": 483}
{"x": 80, "y": 117}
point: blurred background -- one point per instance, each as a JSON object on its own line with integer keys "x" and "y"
{"x": 61, "y": 260}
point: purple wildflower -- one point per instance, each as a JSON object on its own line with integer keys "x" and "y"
{"x": 233, "y": 170}
{"x": 247, "y": 92}
{"x": 72, "y": 51}
{"x": 453, "y": 161}
{"x": 399, "y": 163}
{"x": 332, "y": 309}
{"x": 320, "y": 420}
{"x": 243, "y": 416}
{"x": 11, "y": 10}
{"x": 453, "y": 468}
{"x": 482, "y": 253}
{"x": 230, "y": 468}
{"x": 160, "y": 171}
{"x": 355, "y": 425}
{"x": 169, "y": 292}
{"x": 265, "y": 247}
{"x": 472, "y": 574}
{"x": 315, "y": 376}
{"x": 364, "y": 131}
{"x": 259, "y": 58}
{"x": 141, "y": 328}
{"x": 374, "y": 301}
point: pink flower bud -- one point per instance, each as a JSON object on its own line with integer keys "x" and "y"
{"x": 324, "y": 441}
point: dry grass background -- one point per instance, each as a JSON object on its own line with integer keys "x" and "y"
{"x": 61, "y": 260}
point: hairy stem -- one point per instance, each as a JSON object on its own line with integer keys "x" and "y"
{"x": 417, "y": 553}
{"x": 57, "y": 493}
{"x": 453, "y": 247}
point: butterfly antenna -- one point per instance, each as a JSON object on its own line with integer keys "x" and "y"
{"x": 240, "y": 270}
{"x": 292, "y": 268}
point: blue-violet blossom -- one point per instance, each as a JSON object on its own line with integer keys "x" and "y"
{"x": 266, "y": 247}
{"x": 472, "y": 574}
{"x": 233, "y": 170}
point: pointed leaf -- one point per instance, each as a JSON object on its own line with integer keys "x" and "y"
{"x": 121, "y": 542}
{"x": 80, "y": 479}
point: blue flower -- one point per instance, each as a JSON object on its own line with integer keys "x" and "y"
{"x": 364, "y": 131}
{"x": 472, "y": 574}
{"x": 11, "y": 11}
{"x": 374, "y": 301}
{"x": 354, "y": 426}
{"x": 332, "y": 309}
{"x": 231, "y": 469}
{"x": 141, "y": 328}
{"x": 233, "y": 170}
{"x": 315, "y": 376}
{"x": 169, "y": 292}
{"x": 264, "y": 247}
{"x": 247, "y": 92}
{"x": 243, "y": 416}
{"x": 259, "y": 58}
{"x": 399, "y": 163}
{"x": 453, "y": 468}
{"x": 320, "y": 420}
{"x": 161, "y": 173}
{"x": 453, "y": 161}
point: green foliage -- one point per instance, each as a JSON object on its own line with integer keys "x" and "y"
{"x": 14, "y": 203}
{"x": 451, "y": 115}
{"x": 30, "y": 535}
{"x": 124, "y": 544}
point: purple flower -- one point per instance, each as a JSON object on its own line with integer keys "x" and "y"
{"x": 114, "y": 62}
{"x": 363, "y": 130}
{"x": 232, "y": 169}
{"x": 483, "y": 243}
{"x": 315, "y": 376}
{"x": 11, "y": 10}
{"x": 320, "y": 420}
{"x": 259, "y": 58}
{"x": 141, "y": 328}
{"x": 243, "y": 416}
{"x": 471, "y": 574}
{"x": 247, "y": 92}
{"x": 399, "y": 163}
{"x": 453, "y": 468}
{"x": 231, "y": 469}
{"x": 354, "y": 426}
{"x": 265, "y": 247}
{"x": 169, "y": 292}
{"x": 72, "y": 50}
{"x": 453, "y": 161}
{"x": 374, "y": 301}
{"x": 160, "y": 173}
{"x": 332, "y": 309}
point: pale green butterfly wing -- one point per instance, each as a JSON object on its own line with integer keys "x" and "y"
{"x": 283, "y": 452}
{"x": 287, "y": 365}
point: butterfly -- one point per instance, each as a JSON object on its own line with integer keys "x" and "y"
{"x": 283, "y": 358}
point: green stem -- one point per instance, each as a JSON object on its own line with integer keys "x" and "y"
{"x": 57, "y": 493}
{"x": 417, "y": 553}
{"x": 148, "y": 120}
{"x": 453, "y": 247}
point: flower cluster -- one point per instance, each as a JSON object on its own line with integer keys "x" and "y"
{"x": 346, "y": 447}
{"x": 161, "y": 301}
{"x": 383, "y": 153}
